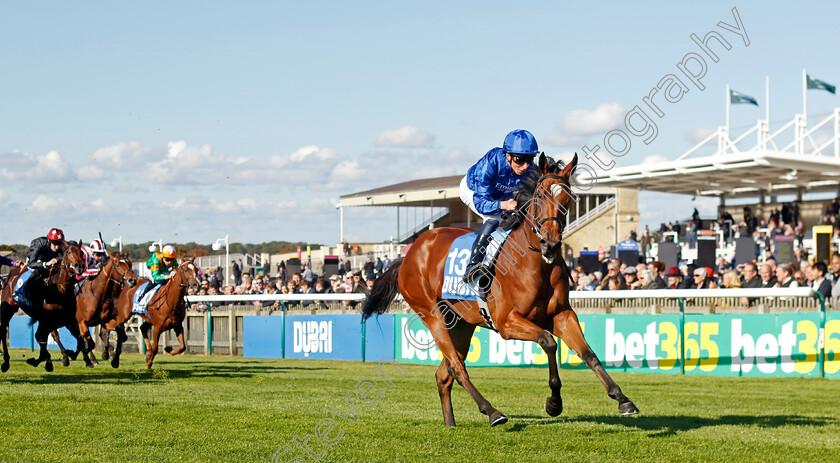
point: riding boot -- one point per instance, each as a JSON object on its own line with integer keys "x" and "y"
{"x": 476, "y": 266}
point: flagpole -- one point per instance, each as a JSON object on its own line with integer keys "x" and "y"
{"x": 804, "y": 95}
{"x": 727, "y": 109}
{"x": 767, "y": 99}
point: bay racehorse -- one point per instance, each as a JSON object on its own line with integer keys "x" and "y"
{"x": 96, "y": 302}
{"x": 529, "y": 302}
{"x": 54, "y": 304}
{"x": 166, "y": 310}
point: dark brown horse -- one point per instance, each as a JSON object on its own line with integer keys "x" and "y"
{"x": 96, "y": 302}
{"x": 166, "y": 310}
{"x": 528, "y": 303}
{"x": 55, "y": 305}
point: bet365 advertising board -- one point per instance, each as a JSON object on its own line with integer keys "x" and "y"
{"x": 785, "y": 344}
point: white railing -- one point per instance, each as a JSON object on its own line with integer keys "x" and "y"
{"x": 424, "y": 225}
{"x": 802, "y": 139}
{"x": 589, "y": 215}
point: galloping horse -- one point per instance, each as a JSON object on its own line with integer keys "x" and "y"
{"x": 55, "y": 303}
{"x": 524, "y": 304}
{"x": 95, "y": 303}
{"x": 166, "y": 310}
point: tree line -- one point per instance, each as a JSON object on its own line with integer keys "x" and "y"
{"x": 140, "y": 251}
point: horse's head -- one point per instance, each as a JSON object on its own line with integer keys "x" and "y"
{"x": 187, "y": 274}
{"x": 121, "y": 265}
{"x": 73, "y": 259}
{"x": 550, "y": 204}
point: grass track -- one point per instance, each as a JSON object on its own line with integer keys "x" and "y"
{"x": 234, "y": 409}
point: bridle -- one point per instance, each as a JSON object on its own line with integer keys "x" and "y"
{"x": 537, "y": 225}
{"x": 181, "y": 271}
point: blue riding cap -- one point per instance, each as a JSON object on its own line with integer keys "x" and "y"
{"x": 521, "y": 142}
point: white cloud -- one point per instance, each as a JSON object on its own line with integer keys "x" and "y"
{"x": 3, "y": 196}
{"x": 89, "y": 173}
{"x": 125, "y": 156}
{"x": 406, "y": 137}
{"x": 579, "y": 125}
{"x": 23, "y": 167}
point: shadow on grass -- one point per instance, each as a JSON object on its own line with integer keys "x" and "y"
{"x": 665, "y": 426}
{"x": 105, "y": 374}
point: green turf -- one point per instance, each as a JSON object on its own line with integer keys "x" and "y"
{"x": 234, "y": 409}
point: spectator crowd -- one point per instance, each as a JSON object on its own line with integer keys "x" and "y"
{"x": 306, "y": 281}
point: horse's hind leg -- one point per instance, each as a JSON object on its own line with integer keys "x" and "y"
{"x": 457, "y": 368}
{"x": 104, "y": 336}
{"x": 461, "y": 335}
{"x": 41, "y": 335}
{"x": 121, "y": 338}
{"x": 567, "y": 328}
{"x": 65, "y": 356}
{"x": 152, "y": 343}
{"x": 182, "y": 346}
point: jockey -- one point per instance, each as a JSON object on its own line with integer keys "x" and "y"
{"x": 162, "y": 263}
{"x": 488, "y": 188}
{"x": 44, "y": 252}
{"x": 95, "y": 258}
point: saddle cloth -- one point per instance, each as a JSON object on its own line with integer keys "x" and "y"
{"x": 141, "y": 301}
{"x": 22, "y": 295}
{"x": 457, "y": 260}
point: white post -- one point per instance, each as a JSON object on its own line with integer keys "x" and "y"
{"x": 227, "y": 260}
{"x": 804, "y": 93}
{"x": 341, "y": 231}
{"x": 767, "y": 99}
{"x": 728, "y": 98}
{"x": 837, "y": 132}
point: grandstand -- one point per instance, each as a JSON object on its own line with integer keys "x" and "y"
{"x": 602, "y": 215}
{"x": 759, "y": 168}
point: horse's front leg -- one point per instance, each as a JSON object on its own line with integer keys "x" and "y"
{"x": 178, "y": 328}
{"x": 567, "y": 328}
{"x": 517, "y": 327}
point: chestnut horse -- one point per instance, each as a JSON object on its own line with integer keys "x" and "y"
{"x": 166, "y": 310}
{"x": 95, "y": 303}
{"x": 55, "y": 304}
{"x": 528, "y": 303}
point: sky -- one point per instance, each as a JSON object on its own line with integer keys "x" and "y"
{"x": 188, "y": 121}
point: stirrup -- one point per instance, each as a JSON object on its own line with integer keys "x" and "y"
{"x": 474, "y": 271}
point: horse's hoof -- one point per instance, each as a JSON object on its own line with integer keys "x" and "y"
{"x": 115, "y": 362}
{"x": 65, "y": 361}
{"x": 33, "y": 361}
{"x": 88, "y": 365}
{"x": 73, "y": 355}
{"x": 106, "y": 356}
{"x": 168, "y": 349}
{"x": 553, "y": 406}
{"x": 48, "y": 366}
{"x": 627, "y": 408}
{"x": 498, "y": 418}
{"x": 4, "y": 367}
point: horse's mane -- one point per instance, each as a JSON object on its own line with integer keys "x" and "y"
{"x": 525, "y": 192}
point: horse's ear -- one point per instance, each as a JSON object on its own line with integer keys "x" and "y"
{"x": 543, "y": 163}
{"x": 567, "y": 171}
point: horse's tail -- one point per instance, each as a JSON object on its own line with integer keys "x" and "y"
{"x": 384, "y": 291}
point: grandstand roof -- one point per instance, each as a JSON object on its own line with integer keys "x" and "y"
{"x": 807, "y": 159}
{"x": 735, "y": 174}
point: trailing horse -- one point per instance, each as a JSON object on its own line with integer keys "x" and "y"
{"x": 166, "y": 310}
{"x": 529, "y": 302}
{"x": 96, "y": 302}
{"x": 53, "y": 305}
